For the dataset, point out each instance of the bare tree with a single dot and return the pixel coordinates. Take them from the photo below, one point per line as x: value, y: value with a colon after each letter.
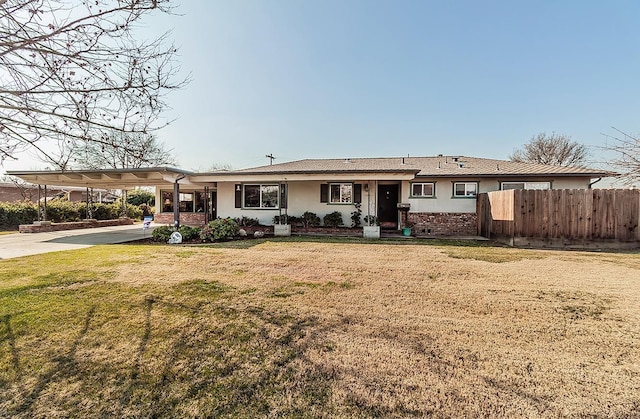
x: 626, y: 149
x: 555, y: 149
x: 133, y: 151
x: 73, y: 73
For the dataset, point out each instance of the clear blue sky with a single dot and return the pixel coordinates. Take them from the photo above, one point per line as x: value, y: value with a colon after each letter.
x: 369, y: 78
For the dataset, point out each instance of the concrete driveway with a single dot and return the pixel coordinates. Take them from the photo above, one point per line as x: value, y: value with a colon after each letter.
x: 24, y: 244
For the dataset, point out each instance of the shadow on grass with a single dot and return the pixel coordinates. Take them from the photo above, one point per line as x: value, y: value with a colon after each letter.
x: 63, y: 366
x: 218, y: 361
x: 11, y: 340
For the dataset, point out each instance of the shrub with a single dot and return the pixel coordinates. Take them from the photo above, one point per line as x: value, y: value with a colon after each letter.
x: 14, y: 214
x: 162, y: 233
x: 219, y: 229
x: 60, y: 211
x: 130, y: 211
x: 309, y: 219
x: 371, y: 220
x: 246, y: 221
x: 355, y: 216
x: 290, y: 219
x: 333, y: 219
x: 189, y: 233
x: 140, y: 196
x: 146, y: 209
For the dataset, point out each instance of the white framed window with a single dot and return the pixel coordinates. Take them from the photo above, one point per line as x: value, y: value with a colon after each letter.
x: 423, y: 190
x: 465, y: 189
x: 525, y: 185
x: 261, y: 196
x: 341, y: 193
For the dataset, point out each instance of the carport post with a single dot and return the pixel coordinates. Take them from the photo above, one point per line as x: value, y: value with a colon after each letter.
x: 39, y: 205
x: 44, y: 214
x: 176, y: 203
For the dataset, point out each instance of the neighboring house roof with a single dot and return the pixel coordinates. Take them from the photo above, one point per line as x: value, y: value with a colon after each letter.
x: 438, y: 166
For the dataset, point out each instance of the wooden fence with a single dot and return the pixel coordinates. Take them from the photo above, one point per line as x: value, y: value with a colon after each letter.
x: 566, y: 216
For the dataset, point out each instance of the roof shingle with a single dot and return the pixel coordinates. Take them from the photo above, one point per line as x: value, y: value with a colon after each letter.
x: 438, y: 166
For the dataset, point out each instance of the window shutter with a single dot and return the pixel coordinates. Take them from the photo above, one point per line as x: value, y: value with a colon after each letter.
x: 283, y: 195
x: 324, y: 193
x: 357, y: 193
x: 238, y: 195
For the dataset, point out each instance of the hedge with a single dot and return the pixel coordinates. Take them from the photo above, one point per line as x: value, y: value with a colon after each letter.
x: 58, y: 211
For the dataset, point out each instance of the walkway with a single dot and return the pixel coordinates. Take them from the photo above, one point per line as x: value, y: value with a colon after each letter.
x: 25, y: 244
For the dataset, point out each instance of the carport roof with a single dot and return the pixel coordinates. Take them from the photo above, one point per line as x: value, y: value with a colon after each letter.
x: 111, y: 178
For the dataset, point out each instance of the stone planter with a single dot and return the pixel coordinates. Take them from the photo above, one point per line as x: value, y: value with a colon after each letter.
x: 371, y: 232
x: 282, y: 230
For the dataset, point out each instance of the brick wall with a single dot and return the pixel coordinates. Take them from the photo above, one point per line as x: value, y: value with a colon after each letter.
x: 444, y: 224
x: 195, y: 219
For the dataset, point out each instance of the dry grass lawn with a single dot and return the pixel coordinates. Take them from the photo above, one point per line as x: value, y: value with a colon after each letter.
x: 316, y: 329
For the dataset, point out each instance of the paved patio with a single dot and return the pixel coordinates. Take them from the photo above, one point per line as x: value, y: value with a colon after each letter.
x: 18, y: 245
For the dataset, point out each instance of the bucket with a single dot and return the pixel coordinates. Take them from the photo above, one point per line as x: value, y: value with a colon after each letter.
x: 406, y: 231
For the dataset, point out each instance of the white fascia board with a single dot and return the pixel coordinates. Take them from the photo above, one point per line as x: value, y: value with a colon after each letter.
x: 296, y: 177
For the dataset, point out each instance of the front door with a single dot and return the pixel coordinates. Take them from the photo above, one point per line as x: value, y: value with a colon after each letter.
x: 388, y: 206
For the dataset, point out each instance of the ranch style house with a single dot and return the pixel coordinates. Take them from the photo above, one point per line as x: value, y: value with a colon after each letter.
x: 437, y: 195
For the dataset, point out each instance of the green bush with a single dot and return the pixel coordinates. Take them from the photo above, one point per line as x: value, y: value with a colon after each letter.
x: 371, y: 219
x: 219, y: 229
x: 290, y: 219
x: 247, y: 221
x: 130, y: 211
x: 60, y: 211
x: 162, y: 233
x: 333, y: 219
x: 355, y: 215
x: 146, y: 209
x: 140, y: 196
x: 189, y: 233
x: 310, y: 219
x: 14, y: 214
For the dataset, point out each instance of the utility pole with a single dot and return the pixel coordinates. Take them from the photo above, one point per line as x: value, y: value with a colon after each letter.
x: 271, y: 158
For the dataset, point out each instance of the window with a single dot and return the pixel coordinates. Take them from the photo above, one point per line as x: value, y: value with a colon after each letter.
x: 341, y: 193
x: 423, y: 190
x: 261, y: 196
x: 201, y: 197
x: 465, y: 189
x: 167, y: 201
x: 525, y: 185
x: 185, y: 201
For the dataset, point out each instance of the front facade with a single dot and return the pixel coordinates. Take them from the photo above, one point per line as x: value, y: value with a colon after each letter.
x: 438, y: 193
x: 433, y: 195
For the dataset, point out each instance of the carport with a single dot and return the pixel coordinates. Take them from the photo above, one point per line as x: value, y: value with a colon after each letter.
x: 158, y: 177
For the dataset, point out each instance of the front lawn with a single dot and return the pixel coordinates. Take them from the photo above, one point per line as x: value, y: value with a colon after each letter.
x: 313, y: 328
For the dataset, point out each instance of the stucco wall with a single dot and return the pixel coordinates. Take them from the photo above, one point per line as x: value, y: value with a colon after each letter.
x: 445, y: 202
x: 302, y: 196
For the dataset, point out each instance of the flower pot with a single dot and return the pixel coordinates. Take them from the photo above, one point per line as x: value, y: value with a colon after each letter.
x: 406, y: 231
x: 371, y: 232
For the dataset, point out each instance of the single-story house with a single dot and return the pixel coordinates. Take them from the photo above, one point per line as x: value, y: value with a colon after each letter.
x: 434, y: 194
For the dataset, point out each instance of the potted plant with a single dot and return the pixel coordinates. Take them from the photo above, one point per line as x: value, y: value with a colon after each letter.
x: 407, y: 228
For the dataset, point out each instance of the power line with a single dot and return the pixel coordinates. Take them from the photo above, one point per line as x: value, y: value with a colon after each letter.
x: 271, y: 158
